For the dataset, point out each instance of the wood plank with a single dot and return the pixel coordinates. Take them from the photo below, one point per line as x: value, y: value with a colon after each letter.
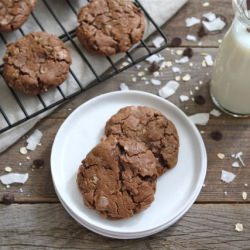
x: 194, y: 8
x: 49, y: 226
x: 236, y: 137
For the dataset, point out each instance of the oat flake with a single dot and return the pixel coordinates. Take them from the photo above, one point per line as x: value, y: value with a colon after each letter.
x: 244, y: 195
x: 239, y: 227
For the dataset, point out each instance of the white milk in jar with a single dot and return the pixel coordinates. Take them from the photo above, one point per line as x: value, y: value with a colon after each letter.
x: 230, y: 84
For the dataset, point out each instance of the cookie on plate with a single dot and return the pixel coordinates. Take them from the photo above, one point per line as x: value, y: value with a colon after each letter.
x: 150, y: 126
x: 118, y: 178
x: 35, y: 63
x: 108, y: 27
x: 14, y: 13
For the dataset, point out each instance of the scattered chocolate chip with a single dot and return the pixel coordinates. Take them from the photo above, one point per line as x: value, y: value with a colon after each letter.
x: 248, y: 4
x: 216, y: 135
x: 202, y: 32
x: 153, y: 67
x: 188, y: 52
x: 176, y: 42
x: 38, y: 163
x: 199, y: 99
x: 8, y: 199
x: 248, y: 30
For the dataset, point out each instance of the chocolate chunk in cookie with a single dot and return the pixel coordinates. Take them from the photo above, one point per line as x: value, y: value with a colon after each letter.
x: 147, y: 125
x: 118, y: 178
x: 36, y: 63
x: 108, y: 27
x: 14, y: 13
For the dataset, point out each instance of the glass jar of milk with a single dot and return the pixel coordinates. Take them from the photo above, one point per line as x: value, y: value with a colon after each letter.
x: 230, y: 84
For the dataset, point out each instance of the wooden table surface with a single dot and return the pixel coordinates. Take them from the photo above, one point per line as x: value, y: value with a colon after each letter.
x: 37, y: 219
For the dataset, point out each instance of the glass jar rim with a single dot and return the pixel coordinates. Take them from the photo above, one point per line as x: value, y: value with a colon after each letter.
x: 240, y: 8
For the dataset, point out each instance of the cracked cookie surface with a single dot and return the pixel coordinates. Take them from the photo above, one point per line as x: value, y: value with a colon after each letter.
x: 36, y: 63
x: 150, y: 126
x: 118, y: 178
x: 108, y: 27
x: 14, y: 13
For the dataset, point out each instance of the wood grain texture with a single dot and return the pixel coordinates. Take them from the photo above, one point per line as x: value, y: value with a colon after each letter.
x: 236, y: 136
x: 48, y: 226
x: 194, y: 8
x: 176, y: 27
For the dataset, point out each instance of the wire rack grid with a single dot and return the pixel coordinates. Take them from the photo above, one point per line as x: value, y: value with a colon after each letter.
x: 68, y: 36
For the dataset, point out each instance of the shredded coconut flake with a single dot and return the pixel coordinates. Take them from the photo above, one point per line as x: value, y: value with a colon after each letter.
x: 158, y: 41
x: 235, y: 164
x: 14, y: 178
x: 183, y: 60
x: 191, y: 38
x: 215, y: 25
x: 209, y: 60
x: 238, y: 156
x: 210, y: 16
x: 176, y: 69
x: 200, y: 118
x: 34, y: 139
x: 124, y: 87
x: 184, y: 98
x: 227, y: 176
x: 156, y: 82
x: 155, y: 58
x: 169, y: 89
x: 215, y: 113
x: 156, y: 73
x: 191, y: 21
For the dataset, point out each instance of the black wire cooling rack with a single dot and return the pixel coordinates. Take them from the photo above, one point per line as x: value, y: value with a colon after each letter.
x: 68, y: 35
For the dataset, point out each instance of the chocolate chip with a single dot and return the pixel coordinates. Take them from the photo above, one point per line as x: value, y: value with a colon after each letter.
x: 188, y: 52
x: 200, y: 100
x: 248, y: 30
x: 153, y: 67
x: 176, y: 42
x: 248, y: 4
x: 8, y: 199
x: 216, y: 135
x: 38, y: 163
x: 202, y: 32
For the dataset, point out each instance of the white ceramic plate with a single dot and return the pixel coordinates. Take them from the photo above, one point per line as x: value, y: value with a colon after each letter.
x: 177, y: 189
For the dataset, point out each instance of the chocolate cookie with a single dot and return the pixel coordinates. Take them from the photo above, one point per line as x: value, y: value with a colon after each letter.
x: 147, y: 125
x: 14, y: 13
x: 36, y: 63
x: 118, y: 178
x: 108, y: 27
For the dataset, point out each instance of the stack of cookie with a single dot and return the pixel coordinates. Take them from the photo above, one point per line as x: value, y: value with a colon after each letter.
x: 39, y: 60
x: 118, y: 177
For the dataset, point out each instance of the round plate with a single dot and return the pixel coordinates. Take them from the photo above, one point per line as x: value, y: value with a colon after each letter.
x: 176, y: 190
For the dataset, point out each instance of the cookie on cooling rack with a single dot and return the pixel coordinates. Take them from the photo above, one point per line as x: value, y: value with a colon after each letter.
x: 108, y: 27
x: 35, y: 63
x: 118, y: 178
x: 150, y: 126
x: 14, y: 13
